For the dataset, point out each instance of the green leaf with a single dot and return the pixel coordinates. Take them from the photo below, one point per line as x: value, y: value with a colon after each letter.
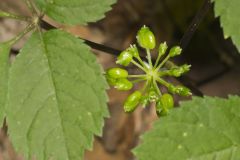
x: 201, y: 129
x: 75, y: 11
x: 4, y: 69
x: 57, y: 98
x: 229, y: 12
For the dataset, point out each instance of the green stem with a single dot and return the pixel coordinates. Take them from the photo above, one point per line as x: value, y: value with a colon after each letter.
x: 163, y: 62
x: 164, y: 73
x: 138, y: 65
x: 29, y: 28
x: 142, y: 63
x: 149, y: 58
x: 145, y: 86
x: 13, y: 16
x: 138, y: 80
x: 163, y: 82
x: 137, y: 76
x: 157, y: 88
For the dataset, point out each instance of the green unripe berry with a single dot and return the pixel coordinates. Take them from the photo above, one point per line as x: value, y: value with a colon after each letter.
x: 134, y: 51
x: 111, y: 81
x: 164, y: 104
x: 144, y: 101
x: 162, y: 48
x: 146, y: 38
x: 123, y: 84
x: 132, y: 101
x: 167, y: 101
x: 124, y: 58
x: 175, y: 51
x: 116, y: 73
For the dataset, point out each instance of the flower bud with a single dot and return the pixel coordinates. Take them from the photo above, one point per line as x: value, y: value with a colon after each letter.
x: 132, y: 101
x: 162, y: 49
x: 180, y: 90
x: 175, y: 51
x: 178, y: 71
x: 116, y: 73
x: 146, y: 38
x: 124, y: 58
x: 134, y: 51
x: 183, y: 91
x: 152, y: 95
x: 123, y: 84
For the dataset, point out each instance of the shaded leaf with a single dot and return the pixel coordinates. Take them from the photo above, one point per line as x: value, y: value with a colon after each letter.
x: 4, y: 70
x: 229, y: 12
x: 75, y: 11
x: 57, y: 98
x: 201, y: 129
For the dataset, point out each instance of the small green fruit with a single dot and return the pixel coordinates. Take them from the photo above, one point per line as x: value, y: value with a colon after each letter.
x: 124, y: 58
x: 123, y: 84
x: 146, y: 38
x: 132, y: 101
x: 164, y: 104
x: 116, y: 73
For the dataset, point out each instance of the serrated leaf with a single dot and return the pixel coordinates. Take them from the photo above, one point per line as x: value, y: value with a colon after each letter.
x: 4, y: 69
x: 75, y: 11
x: 229, y: 12
x: 201, y: 129
x: 57, y: 98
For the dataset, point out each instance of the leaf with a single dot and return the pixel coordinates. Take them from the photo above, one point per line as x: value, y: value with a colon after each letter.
x: 75, y: 11
x: 228, y: 10
x: 201, y: 129
x: 57, y: 98
x: 4, y: 69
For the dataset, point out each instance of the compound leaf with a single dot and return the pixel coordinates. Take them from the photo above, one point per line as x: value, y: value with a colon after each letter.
x: 57, y: 98
x: 201, y: 129
x: 229, y: 12
x: 4, y: 69
x: 75, y: 11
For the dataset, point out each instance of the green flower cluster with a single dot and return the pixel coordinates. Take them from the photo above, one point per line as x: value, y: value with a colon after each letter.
x: 153, y: 74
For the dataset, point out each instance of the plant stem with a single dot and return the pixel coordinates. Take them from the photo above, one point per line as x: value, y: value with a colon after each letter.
x: 163, y: 62
x: 138, y: 65
x: 149, y: 58
x: 156, y: 87
x: 163, y: 82
x: 13, y: 16
x: 145, y: 86
x: 140, y: 60
x: 29, y: 28
x: 137, y: 76
x: 138, y: 80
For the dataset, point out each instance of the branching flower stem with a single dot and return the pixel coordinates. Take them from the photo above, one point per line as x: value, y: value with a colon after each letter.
x: 14, y: 16
x: 149, y: 58
x: 138, y: 65
x: 29, y: 28
x: 163, y: 62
